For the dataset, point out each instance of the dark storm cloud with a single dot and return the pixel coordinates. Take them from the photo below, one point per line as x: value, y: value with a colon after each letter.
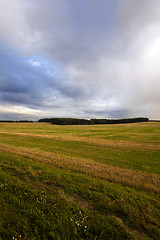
x: 81, y: 58
x: 32, y: 83
x: 20, y: 82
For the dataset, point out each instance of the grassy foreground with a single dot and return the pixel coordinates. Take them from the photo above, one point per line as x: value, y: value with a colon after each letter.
x: 79, y: 182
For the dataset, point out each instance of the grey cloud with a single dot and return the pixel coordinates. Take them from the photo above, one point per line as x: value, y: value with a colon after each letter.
x: 23, y: 83
x: 20, y: 82
x: 106, y: 54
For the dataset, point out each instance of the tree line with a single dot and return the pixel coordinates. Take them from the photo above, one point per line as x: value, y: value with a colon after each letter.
x: 77, y: 121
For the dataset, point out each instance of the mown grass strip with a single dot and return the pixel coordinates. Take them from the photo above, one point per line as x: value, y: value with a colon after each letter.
x: 52, y: 177
x: 55, y: 195
x: 124, y: 157
x: 89, y: 140
x: 114, y: 174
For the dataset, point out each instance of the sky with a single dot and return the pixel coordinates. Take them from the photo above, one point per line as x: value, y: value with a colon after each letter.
x: 79, y: 58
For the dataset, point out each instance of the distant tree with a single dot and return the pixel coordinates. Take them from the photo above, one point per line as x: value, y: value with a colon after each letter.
x: 118, y: 121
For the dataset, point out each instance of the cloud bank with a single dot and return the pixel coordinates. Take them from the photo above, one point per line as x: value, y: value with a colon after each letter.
x: 92, y: 58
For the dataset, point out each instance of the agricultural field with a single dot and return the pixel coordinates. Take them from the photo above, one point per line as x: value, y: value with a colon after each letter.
x: 79, y: 182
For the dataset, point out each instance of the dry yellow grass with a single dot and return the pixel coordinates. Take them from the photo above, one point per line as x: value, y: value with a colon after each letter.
x: 127, y: 177
x: 93, y: 141
x: 53, y: 177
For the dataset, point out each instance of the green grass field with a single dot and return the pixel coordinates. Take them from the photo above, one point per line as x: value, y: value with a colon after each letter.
x: 79, y: 182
